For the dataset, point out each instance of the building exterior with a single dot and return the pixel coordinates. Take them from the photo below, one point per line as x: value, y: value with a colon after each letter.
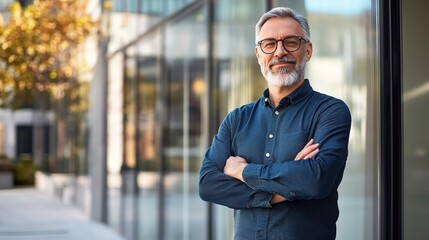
x: 168, y: 71
x: 185, y: 64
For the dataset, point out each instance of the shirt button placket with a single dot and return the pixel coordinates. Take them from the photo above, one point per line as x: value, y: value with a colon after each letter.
x: 270, y: 144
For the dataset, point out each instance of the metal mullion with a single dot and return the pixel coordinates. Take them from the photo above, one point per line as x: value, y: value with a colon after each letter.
x: 211, y: 115
x: 391, y: 198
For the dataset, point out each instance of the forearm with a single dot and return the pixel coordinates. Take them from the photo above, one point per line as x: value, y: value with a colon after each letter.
x: 297, y: 180
x: 219, y: 188
x: 235, y: 165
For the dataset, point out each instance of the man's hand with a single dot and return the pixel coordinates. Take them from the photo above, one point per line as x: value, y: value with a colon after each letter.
x: 310, y: 150
x: 234, y: 167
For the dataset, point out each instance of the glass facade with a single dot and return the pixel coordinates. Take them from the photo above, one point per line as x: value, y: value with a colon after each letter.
x: 184, y: 74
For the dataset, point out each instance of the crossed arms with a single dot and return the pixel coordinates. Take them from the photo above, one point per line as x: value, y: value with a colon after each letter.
x: 235, y: 165
x: 229, y: 179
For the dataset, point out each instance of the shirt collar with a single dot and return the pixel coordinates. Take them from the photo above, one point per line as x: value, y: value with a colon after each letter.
x: 299, y: 94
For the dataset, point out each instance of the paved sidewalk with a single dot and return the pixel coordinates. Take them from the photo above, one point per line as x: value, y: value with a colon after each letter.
x: 30, y: 214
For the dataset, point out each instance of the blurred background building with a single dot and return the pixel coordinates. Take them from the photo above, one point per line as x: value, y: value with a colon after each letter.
x: 163, y: 75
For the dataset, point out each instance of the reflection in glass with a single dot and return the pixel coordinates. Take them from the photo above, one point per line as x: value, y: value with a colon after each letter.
x: 342, y: 65
x: 148, y: 143
x: 130, y: 109
x: 415, y: 116
x: 186, y: 48
x: 128, y: 167
x: 237, y: 78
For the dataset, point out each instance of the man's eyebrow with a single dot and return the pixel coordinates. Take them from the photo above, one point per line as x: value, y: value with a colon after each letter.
x: 270, y: 38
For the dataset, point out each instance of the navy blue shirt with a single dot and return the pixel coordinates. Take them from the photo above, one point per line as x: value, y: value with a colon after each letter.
x: 269, y: 139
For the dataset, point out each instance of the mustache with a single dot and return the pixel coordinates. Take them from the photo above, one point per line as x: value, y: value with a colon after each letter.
x: 283, y: 59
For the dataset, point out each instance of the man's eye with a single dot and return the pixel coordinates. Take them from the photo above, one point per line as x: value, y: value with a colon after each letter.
x: 269, y: 44
x: 290, y: 43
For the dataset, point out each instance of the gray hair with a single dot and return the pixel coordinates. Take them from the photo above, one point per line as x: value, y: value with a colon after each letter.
x: 283, y: 12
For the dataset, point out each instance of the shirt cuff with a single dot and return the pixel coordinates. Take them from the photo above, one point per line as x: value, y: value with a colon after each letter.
x: 251, y: 176
x: 263, y: 199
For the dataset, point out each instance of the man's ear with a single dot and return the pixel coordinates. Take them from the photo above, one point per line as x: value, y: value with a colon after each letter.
x: 257, y: 53
x: 308, y: 51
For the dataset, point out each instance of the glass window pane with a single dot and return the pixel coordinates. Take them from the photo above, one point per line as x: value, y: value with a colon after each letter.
x: 130, y: 108
x: 128, y: 167
x: 345, y: 56
x: 236, y: 69
x: 415, y: 117
x: 148, y: 143
x: 237, y: 78
x: 186, y: 54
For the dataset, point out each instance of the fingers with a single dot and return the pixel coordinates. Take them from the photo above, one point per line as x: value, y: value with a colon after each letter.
x: 235, y: 159
x: 310, y: 150
x: 312, y: 154
x: 234, y: 167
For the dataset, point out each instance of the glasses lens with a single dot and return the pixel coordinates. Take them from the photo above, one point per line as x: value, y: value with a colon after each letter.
x: 268, y: 45
x: 291, y: 44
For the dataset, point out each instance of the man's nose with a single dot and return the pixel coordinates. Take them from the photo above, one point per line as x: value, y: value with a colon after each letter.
x: 280, y: 50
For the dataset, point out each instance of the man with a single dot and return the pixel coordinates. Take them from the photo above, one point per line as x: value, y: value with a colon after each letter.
x: 279, y: 160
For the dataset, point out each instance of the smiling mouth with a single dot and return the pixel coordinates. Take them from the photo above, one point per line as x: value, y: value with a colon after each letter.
x: 282, y: 66
x: 282, y: 61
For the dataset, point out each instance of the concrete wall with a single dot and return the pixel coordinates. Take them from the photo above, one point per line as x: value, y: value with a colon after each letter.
x: 10, y: 119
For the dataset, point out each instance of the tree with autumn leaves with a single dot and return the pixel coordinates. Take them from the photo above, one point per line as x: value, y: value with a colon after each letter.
x: 42, y: 61
x: 40, y: 51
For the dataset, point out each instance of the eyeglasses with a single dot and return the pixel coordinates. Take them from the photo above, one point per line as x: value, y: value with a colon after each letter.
x: 291, y: 44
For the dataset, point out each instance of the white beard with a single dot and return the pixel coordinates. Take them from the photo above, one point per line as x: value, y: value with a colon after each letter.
x: 282, y: 78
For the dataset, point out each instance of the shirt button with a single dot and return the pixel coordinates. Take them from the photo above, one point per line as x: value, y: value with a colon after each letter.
x: 270, y: 135
x: 267, y: 154
x: 293, y: 194
x: 276, y: 112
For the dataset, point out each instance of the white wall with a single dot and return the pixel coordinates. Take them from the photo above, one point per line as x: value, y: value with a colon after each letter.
x: 10, y: 119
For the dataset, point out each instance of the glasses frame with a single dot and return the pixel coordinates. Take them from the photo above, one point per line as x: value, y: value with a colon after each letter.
x: 282, y: 40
